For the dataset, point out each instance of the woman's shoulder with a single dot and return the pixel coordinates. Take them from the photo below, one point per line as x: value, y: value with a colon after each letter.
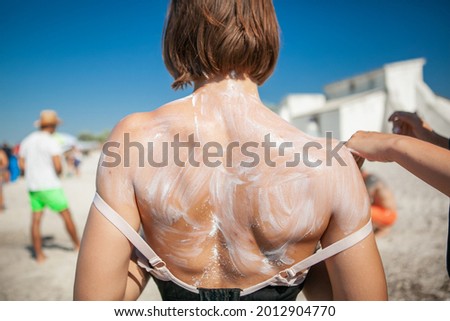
x: 143, y: 121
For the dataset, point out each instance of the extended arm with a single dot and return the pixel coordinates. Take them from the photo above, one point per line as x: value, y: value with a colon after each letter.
x: 57, y: 164
x: 429, y: 162
x: 22, y: 165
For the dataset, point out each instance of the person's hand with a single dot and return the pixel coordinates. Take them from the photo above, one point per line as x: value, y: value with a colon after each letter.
x: 410, y: 124
x: 373, y: 146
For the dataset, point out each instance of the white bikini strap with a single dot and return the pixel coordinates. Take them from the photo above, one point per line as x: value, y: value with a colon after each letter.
x: 292, y: 272
x: 297, y: 273
x: 331, y: 250
x: 139, y: 243
x: 126, y: 230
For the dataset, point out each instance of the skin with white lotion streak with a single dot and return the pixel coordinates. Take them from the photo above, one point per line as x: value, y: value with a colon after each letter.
x: 230, y: 221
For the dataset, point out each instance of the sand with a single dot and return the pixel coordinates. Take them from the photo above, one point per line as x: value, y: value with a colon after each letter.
x: 413, y: 252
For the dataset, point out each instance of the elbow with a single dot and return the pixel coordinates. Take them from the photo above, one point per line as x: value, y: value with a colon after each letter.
x: 58, y: 170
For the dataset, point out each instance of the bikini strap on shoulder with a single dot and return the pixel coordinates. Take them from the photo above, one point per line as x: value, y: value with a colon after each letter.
x: 330, y: 250
x: 122, y: 225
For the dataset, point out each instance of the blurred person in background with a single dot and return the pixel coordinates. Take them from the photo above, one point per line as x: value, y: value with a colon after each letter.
x: 4, y: 176
x: 40, y: 160
x: 73, y: 160
x: 383, y: 208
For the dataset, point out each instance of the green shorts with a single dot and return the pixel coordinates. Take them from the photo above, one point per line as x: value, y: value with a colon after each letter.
x: 55, y: 199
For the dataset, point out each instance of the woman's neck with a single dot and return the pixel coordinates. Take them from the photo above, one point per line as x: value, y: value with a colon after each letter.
x: 241, y: 84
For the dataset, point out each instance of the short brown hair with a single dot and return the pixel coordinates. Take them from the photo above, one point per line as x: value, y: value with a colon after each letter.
x: 206, y: 38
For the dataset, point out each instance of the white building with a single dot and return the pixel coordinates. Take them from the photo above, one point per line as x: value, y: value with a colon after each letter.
x: 364, y: 102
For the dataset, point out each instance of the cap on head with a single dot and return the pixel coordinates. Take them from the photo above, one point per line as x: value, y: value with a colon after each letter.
x: 48, y: 118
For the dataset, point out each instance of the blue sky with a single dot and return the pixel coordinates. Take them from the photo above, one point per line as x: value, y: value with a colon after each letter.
x: 97, y: 61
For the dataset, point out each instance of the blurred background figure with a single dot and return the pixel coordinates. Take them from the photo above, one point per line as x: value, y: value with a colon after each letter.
x: 383, y: 206
x: 13, y: 172
x: 4, y: 176
x: 73, y: 160
x: 40, y: 159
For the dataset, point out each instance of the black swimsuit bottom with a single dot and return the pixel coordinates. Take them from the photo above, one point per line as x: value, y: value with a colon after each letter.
x: 172, y: 292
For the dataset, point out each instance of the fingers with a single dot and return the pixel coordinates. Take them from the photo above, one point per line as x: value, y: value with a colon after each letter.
x: 355, y: 138
x: 359, y: 160
x: 403, y: 128
x: 407, y: 117
x: 405, y: 123
x: 368, y: 145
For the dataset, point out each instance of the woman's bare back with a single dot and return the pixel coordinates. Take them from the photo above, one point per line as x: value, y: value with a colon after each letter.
x: 235, y: 217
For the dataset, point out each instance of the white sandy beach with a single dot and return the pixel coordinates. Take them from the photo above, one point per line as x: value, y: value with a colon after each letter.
x: 413, y: 252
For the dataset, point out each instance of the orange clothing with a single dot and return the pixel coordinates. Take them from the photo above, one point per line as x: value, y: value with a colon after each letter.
x: 382, y: 217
